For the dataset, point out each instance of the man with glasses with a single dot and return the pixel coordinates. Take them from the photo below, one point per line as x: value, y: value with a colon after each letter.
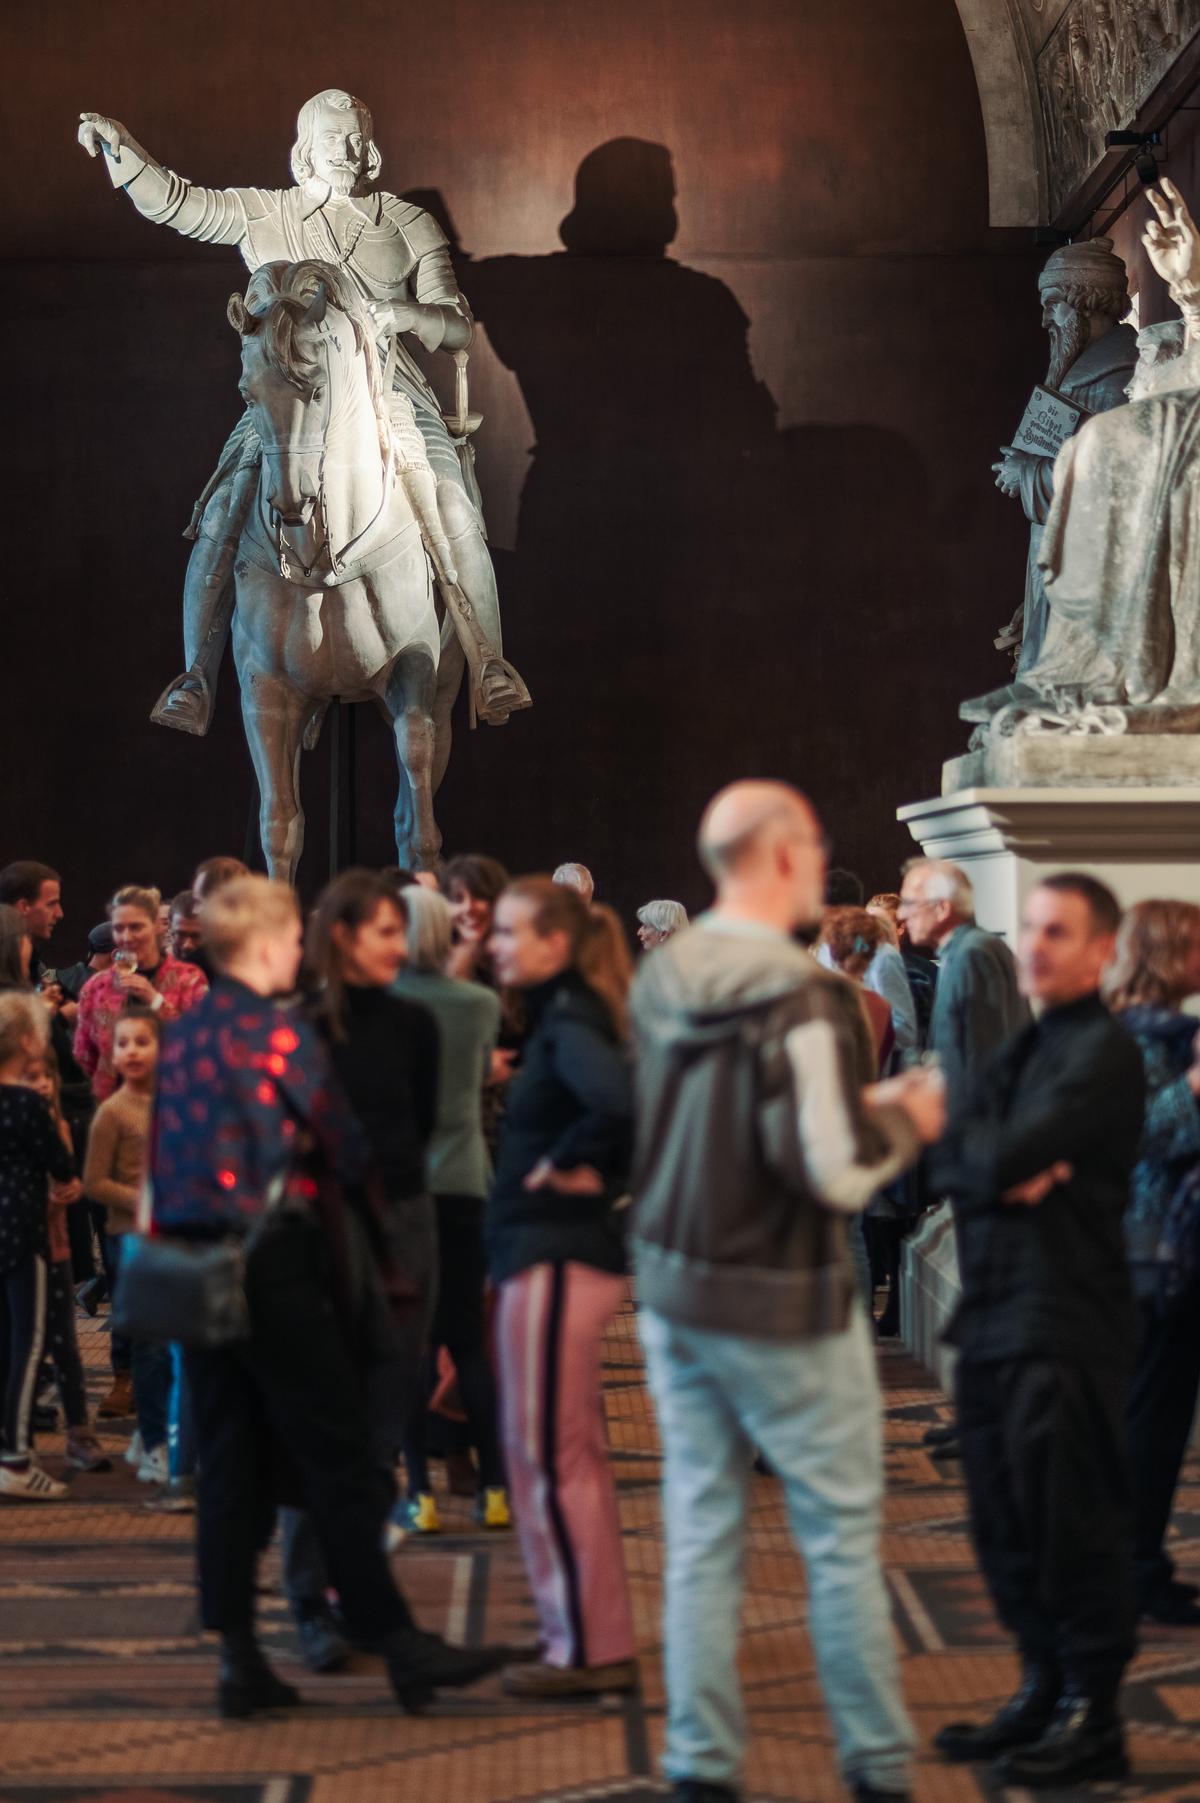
x: 977, y: 1003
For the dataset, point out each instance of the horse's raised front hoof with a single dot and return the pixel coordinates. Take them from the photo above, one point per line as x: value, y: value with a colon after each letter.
x: 501, y: 692
x: 185, y: 704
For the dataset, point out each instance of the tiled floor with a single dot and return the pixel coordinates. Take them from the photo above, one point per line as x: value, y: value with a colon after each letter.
x: 106, y: 1685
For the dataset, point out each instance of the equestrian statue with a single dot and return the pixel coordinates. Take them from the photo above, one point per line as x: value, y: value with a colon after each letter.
x: 341, y: 535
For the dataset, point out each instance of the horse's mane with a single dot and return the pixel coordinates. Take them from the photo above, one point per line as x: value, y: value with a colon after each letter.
x: 282, y: 294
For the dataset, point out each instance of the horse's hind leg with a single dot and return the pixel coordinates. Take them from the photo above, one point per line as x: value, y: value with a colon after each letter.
x: 409, y: 701
x: 275, y: 715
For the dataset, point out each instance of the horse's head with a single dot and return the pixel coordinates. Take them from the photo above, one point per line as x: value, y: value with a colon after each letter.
x: 287, y: 369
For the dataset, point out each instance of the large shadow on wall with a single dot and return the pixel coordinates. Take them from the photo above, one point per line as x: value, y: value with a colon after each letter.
x: 673, y: 595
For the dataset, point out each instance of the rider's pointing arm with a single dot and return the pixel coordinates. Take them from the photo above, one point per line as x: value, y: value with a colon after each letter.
x: 214, y: 215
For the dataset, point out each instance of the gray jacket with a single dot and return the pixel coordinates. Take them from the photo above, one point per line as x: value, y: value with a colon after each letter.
x: 977, y: 1004
x: 753, y: 1143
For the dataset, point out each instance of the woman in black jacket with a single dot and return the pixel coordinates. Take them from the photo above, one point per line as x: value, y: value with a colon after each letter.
x: 385, y: 1053
x: 555, y: 1252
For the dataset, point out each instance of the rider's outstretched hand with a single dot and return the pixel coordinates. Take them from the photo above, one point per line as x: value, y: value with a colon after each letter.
x: 95, y: 130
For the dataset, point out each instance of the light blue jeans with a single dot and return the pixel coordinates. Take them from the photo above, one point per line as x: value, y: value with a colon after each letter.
x: 812, y: 1407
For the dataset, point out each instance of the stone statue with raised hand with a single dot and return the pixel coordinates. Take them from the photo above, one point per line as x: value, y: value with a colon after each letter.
x: 398, y: 261
x: 1120, y: 552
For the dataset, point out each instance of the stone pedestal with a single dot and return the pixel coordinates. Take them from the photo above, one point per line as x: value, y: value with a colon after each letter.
x: 1141, y: 841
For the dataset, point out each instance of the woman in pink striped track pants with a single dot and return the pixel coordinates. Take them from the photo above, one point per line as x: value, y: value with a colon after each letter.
x: 555, y: 1253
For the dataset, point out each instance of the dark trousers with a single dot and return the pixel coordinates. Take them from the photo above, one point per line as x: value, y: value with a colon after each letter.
x: 392, y: 1390
x: 62, y: 1346
x: 1162, y: 1402
x: 1046, y: 1461
x: 459, y: 1325
x: 22, y: 1332
x: 148, y: 1364
x: 289, y: 1397
x: 82, y: 1240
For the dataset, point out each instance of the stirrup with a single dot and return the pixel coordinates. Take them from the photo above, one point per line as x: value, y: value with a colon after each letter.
x: 185, y: 704
x: 499, y: 692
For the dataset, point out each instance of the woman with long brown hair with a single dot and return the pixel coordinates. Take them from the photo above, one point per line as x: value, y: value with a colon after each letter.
x: 385, y: 1052
x: 1156, y: 968
x: 555, y: 1252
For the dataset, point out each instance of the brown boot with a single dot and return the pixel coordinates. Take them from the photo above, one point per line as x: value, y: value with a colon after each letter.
x: 119, y: 1401
x: 537, y: 1682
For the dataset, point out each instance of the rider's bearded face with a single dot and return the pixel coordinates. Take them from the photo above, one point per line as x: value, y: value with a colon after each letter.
x: 339, y: 149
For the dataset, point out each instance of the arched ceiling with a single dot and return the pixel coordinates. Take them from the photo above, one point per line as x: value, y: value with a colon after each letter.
x: 1004, y: 75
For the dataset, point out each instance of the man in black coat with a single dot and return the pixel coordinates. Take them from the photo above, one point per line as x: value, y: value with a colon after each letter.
x: 1037, y: 1163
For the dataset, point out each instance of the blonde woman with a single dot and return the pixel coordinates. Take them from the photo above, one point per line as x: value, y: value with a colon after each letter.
x: 141, y: 973
x: 241, y: 1077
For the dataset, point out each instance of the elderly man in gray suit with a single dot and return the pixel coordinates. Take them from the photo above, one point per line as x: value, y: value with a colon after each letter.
x: 977, y: 1004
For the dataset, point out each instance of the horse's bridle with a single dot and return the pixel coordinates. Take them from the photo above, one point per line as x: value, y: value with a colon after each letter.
x: 337, y: 560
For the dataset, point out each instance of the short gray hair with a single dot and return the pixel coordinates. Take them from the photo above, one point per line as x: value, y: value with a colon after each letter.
x: 946, y: 883
x: 577, y: 877
x: 430, y: 928
x: 664, y: 916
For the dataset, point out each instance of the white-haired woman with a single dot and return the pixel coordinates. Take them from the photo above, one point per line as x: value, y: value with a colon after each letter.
x: 658, y: 921
x: 468, y: 1023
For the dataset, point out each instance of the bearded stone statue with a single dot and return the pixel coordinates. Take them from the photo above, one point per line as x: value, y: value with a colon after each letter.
x: 1085, y: 295
x: 1121, y: 543
x: 1120, y: 550
x: 397, y: 259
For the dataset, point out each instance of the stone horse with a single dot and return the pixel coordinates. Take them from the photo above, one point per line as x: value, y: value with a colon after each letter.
x: 336, y: 565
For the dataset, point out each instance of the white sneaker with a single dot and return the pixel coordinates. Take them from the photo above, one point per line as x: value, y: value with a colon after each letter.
x: 29, y: 1483
x: 154, y: 1468
x: 135, y: 1452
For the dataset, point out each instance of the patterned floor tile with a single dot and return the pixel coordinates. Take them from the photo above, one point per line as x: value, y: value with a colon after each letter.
x: 108, y: 1686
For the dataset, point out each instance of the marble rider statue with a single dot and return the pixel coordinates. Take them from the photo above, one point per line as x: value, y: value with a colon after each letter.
x: 1085, y: 295
x: 398, y: 259
x: 1121, y: 550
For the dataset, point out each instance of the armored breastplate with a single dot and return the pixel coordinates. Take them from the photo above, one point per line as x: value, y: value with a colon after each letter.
x: 376, y: 250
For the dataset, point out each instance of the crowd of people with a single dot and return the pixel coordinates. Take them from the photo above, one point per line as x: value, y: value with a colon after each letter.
x: 328, y: 1170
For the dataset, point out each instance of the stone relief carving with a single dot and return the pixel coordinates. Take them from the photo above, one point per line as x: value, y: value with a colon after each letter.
x: 1096, y: 68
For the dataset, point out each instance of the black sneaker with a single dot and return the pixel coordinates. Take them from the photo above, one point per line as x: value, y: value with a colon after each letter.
x: 322, y: 1640
x: 1172, y: 1605
x: 871, y: 1793
x: 699, y: 1790
x: 941, y: 1435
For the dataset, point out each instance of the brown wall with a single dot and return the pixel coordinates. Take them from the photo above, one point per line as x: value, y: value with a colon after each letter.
x: 758, y: 532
